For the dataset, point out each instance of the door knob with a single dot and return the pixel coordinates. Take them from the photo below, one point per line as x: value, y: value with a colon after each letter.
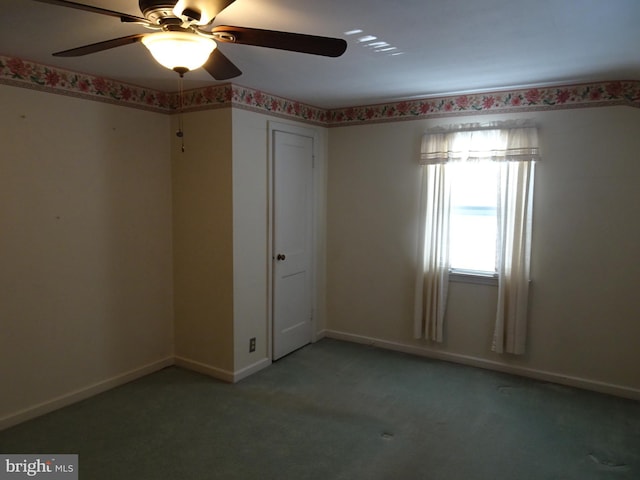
x: 281, y: 256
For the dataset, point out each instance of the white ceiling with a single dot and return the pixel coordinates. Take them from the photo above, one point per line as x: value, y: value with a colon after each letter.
x: 447, y: 46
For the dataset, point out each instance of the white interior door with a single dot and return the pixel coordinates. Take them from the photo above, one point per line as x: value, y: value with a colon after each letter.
x: 292, y: 246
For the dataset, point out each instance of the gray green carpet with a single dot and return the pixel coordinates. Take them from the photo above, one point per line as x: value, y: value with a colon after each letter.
x: 335, y: 410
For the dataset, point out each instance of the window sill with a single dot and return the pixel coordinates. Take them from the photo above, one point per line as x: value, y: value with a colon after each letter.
x: 459, y: 276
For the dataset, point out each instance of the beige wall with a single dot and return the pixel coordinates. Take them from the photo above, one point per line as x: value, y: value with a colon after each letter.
x: 85, y: 247
x: 221, y: 240
x: 250, y: 237
x: 90, y: 194
x: 251, y: 210
x: 584, y: 308
x: 203, y: 241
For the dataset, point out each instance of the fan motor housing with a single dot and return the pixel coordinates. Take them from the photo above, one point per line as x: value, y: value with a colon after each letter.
x: 159, y: 12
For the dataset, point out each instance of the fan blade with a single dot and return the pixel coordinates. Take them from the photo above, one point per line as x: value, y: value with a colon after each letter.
x: 218, y: 6
x: 125, y: 17
x: 294, y: 42
x: 220, y: 67
x: 100, y: 46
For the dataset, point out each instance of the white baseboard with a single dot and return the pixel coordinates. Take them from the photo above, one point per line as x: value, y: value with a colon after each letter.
x: 251, y: 369
x: 552, y: 377
x: 215, y: 372
x: 100, y: 387
x: 219, y: 373
x: 319, y: 335
x: 232, y: 377
x: 81, y: 394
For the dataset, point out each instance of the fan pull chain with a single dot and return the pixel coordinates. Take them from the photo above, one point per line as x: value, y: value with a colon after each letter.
x: 180, y: 132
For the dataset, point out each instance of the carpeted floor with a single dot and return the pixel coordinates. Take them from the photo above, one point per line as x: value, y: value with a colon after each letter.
x: 335, y: 410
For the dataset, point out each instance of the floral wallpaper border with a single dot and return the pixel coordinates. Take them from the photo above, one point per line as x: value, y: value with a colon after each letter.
x: 23, y: 73
x: 254, y: 100
x: 541, y: 98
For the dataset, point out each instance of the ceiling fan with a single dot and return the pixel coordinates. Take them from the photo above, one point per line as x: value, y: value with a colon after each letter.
x: 184, y: 29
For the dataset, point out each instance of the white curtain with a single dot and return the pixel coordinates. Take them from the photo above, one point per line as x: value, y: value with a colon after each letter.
x: 433, y: 254
x: 516, y: 149
x: 514, y: 255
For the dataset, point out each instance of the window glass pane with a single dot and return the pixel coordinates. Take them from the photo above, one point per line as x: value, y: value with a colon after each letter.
x: 473, y: 216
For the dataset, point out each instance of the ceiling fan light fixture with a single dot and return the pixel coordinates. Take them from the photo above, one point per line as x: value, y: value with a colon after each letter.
x: 179, y: 49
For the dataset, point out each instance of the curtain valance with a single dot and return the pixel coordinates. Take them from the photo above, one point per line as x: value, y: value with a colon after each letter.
x: 500, y: 145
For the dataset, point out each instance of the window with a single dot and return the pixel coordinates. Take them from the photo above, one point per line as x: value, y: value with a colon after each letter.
x: 476, y: 217
x: 473, y: 217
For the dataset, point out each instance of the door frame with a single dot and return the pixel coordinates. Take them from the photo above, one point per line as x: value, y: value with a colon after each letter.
x: 316, y: 206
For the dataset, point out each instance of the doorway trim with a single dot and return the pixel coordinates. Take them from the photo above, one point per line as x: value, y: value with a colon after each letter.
x: 317, y: 223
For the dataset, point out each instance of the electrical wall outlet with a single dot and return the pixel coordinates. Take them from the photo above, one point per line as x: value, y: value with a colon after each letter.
x: 252, y: 344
